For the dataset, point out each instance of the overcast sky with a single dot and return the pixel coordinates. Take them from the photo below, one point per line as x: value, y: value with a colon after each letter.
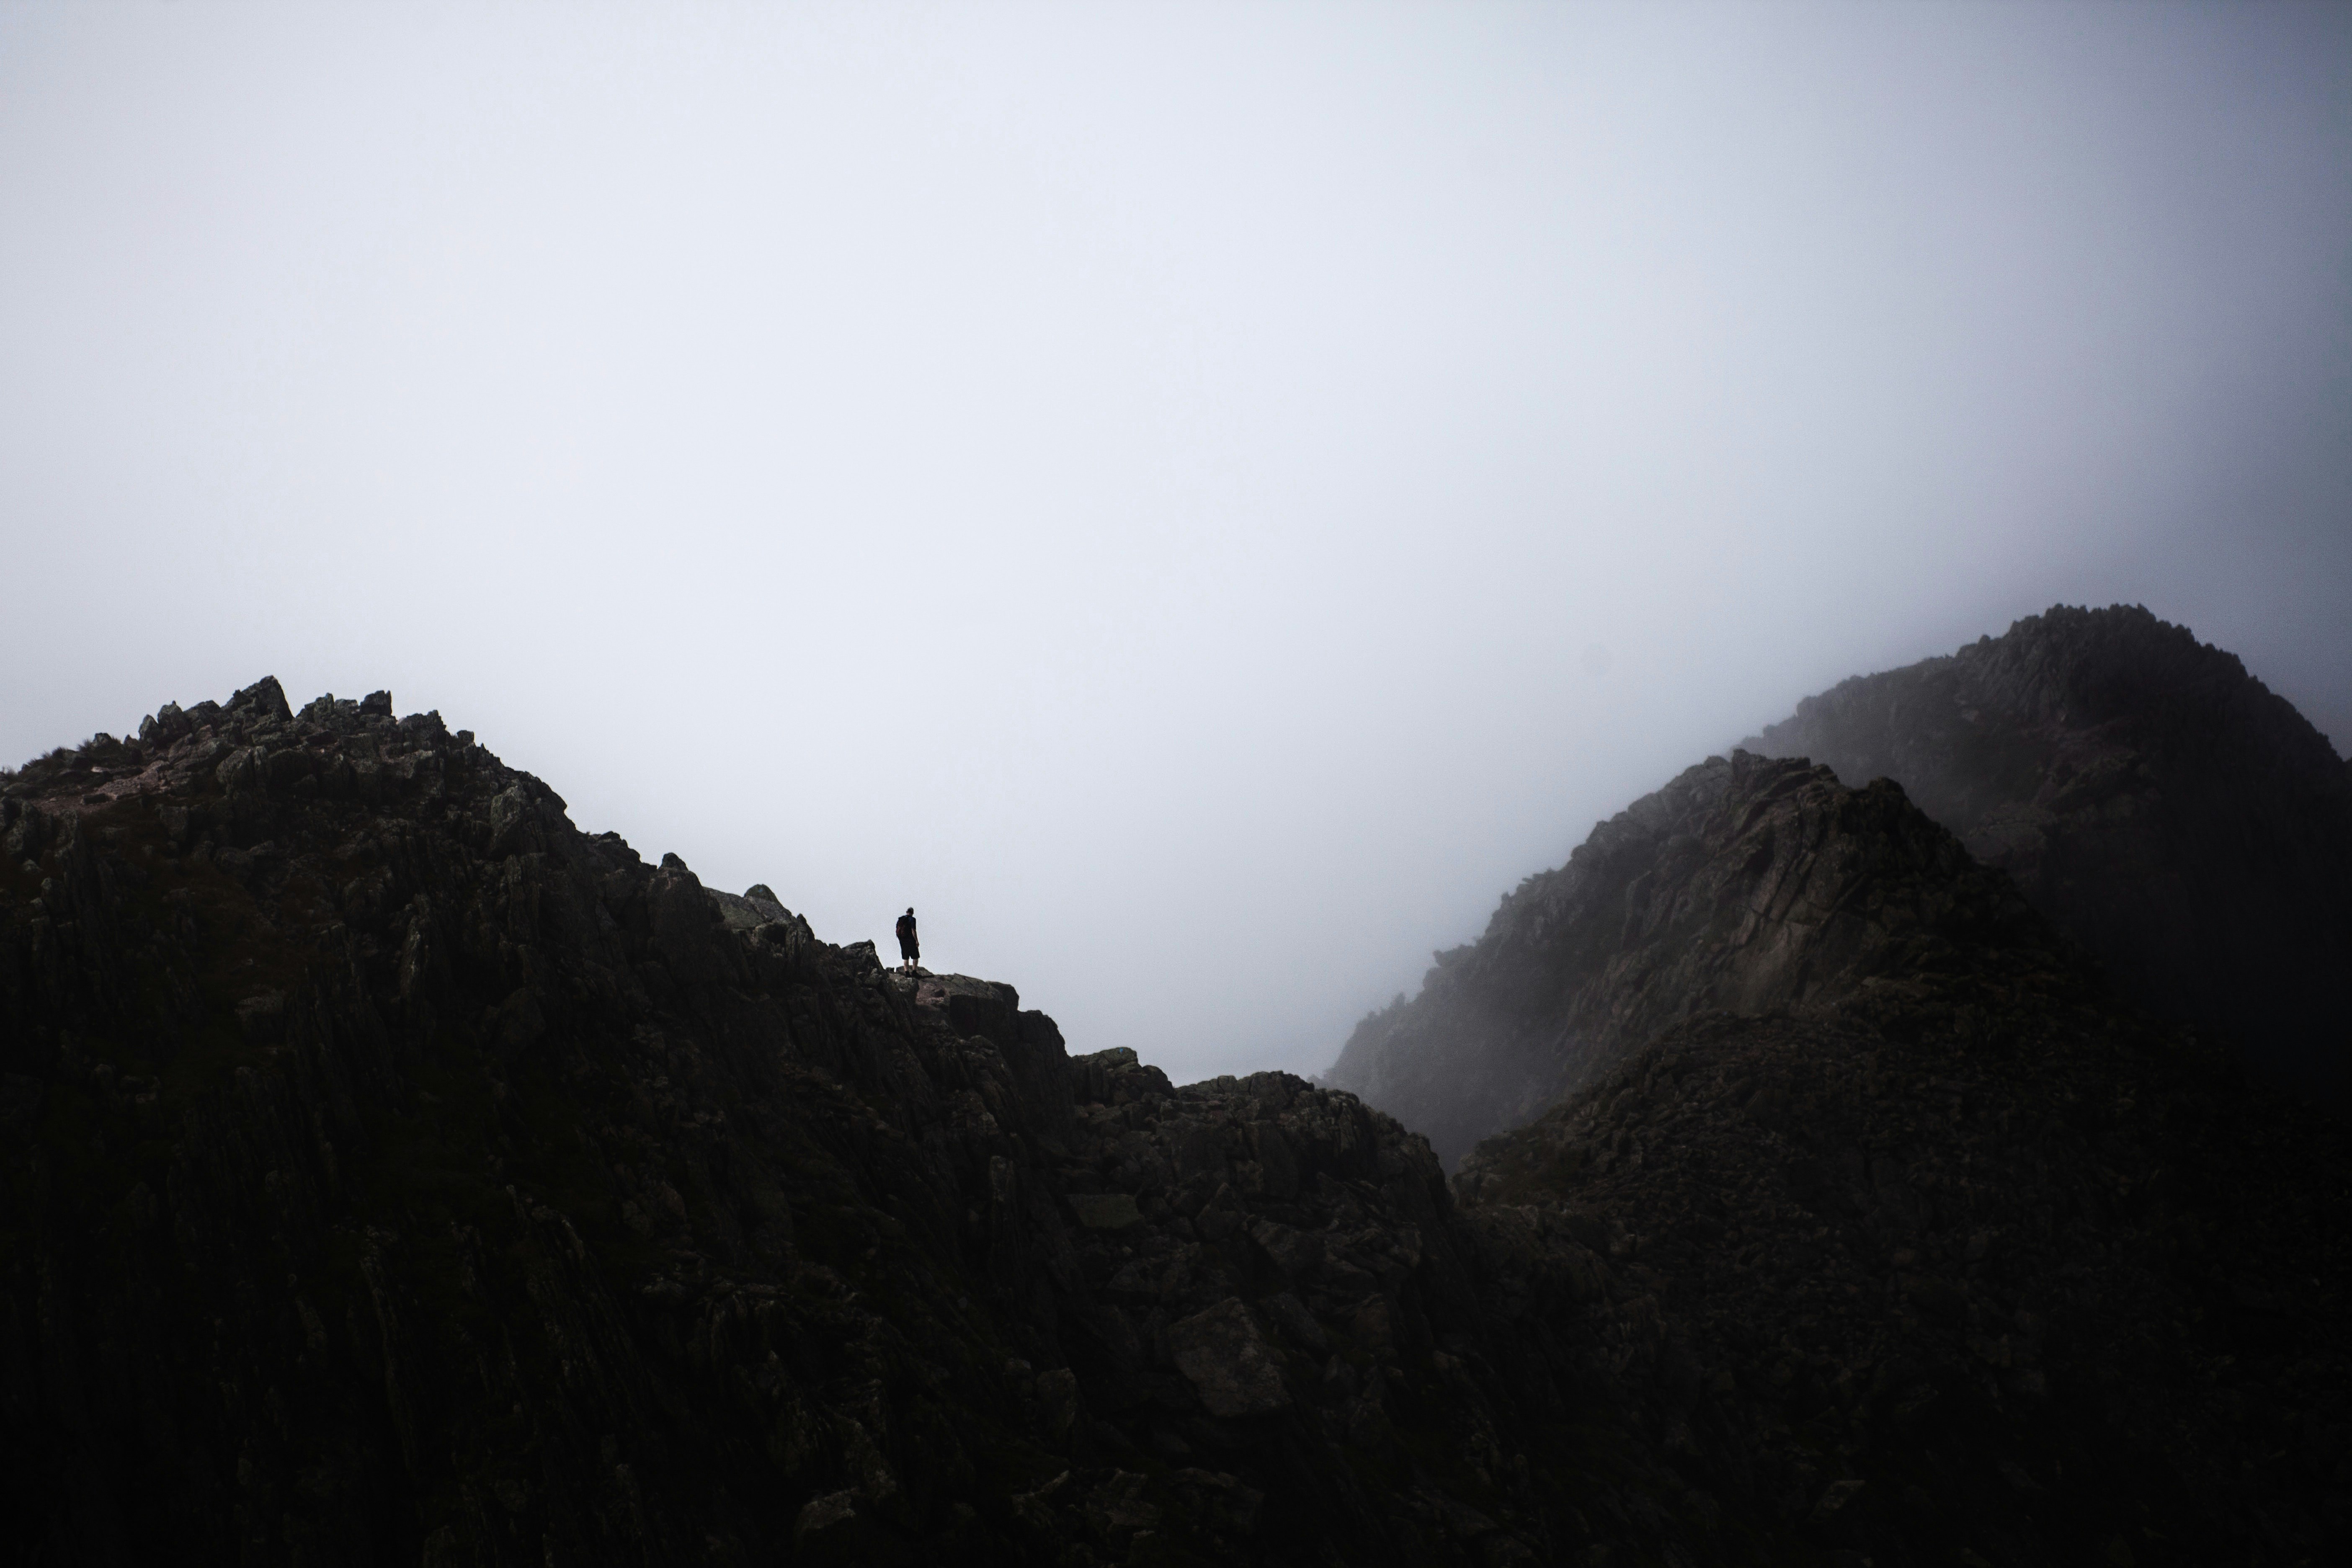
x: 1198, y: 501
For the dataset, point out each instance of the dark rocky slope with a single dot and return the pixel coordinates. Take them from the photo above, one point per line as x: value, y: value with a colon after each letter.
x: 2158, y: 804
x: 1968, y: 1270
x: 1745, y: 884
x: 394, y: 1173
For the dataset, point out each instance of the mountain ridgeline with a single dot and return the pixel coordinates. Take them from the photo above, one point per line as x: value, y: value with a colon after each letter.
x: 2155, y: 802
x: 1746, y: 884
x: 2160, y: 805
x: 391, y: 1171
x: 396, y: 1174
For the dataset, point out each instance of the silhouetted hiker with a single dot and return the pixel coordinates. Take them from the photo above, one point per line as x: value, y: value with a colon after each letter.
x: 907, y: 948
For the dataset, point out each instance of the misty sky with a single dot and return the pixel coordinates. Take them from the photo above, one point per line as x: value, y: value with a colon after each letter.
x: 1199, y: 501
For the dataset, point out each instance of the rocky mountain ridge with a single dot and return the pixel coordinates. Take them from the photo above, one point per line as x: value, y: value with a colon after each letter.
x: 394, y: 1172
x: 1745, y: 884
x: 2157, y: 802
x: 2154, y: 801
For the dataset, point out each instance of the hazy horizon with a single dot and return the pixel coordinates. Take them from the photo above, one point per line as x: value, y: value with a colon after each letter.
x: 1198, y: 501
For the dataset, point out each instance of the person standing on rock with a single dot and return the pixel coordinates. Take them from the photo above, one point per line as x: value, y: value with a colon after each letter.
x: 908, y: 949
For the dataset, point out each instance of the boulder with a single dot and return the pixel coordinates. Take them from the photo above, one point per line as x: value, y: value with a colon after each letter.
x: 1230, y: 1365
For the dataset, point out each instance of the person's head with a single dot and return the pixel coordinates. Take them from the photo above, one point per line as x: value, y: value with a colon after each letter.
x: 911, y: 908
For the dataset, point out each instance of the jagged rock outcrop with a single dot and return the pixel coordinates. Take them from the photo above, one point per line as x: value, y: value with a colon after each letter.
x: 390, y: 1171
x: 394, y: 1173
x: 2160, y: 806
x: 2158, y: 803
x: 1747, y: 883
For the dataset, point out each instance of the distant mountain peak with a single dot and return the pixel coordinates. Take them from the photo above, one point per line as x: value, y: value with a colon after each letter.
x: 2158, y: 804
x: 1748, y: 883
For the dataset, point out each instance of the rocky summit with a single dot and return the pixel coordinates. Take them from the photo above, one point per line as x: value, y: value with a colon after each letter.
x: 1747, y: 883
x: 2162, y: 806
x: 2158, y: 807
x: 394, y: 1173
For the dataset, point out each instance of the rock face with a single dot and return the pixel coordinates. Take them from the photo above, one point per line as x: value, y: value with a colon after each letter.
x: 2162, y: 806
x: 1969, y: 1271
x: 1745, y: 884
x: 394, y: 1173
x: 2141, y: 791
